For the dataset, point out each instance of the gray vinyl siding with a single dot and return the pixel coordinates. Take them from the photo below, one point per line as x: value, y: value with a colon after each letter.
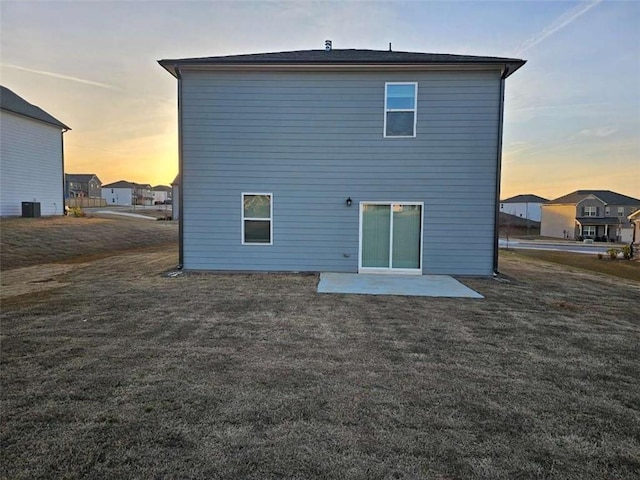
x: 313, y: 139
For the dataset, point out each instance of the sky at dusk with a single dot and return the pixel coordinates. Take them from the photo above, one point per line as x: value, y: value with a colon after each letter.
x: 572, y: 114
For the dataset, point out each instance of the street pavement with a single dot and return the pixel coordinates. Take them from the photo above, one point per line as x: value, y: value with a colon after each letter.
x: 560, y: 246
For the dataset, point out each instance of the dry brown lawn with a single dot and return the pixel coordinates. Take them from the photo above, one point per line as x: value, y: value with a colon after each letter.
x: 629, y: 269
x: 35, y: 241
x: 112, y: 369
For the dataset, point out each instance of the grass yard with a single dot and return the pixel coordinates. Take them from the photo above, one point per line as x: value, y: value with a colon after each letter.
x: 618, y: 268
x: 111, y: 369
x: 34, y: 241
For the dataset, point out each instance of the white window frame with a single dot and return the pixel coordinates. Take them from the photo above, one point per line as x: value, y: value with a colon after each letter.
x: 390, y: 269
x: 256, y: 219
x: 588, y: 212
x: 621, y: 211
x: 414, y: 110
x: 585, y: 234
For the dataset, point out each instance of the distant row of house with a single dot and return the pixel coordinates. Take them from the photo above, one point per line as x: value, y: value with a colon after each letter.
x: 78, y: 186
x: 584, y: 214
x: 32, y: 166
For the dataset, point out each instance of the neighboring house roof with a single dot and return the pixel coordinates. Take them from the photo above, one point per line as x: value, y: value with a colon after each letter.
x: 125, y: 184
x: 161, y: 188
x: 344, y: 57
x: 526, y: 198
x: 607, y: 196
x: 635, y: 216
x: 176, y: 181
x: 12, y: 102
x: 80, y: 177
x: 600, y: 221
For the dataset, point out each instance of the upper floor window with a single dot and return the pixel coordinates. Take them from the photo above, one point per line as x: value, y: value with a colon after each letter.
x: 400, y: 109
x: 590, y: 211
x: 621, y: 211
x: 257, y: 214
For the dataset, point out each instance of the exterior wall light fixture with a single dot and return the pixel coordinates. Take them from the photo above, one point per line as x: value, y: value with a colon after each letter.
x: 349, y: 201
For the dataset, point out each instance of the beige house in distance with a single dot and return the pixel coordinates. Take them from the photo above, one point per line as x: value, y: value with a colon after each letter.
x: 590, y: 214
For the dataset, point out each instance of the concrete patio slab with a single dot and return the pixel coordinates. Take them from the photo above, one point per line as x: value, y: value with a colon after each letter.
x: 409, y: 285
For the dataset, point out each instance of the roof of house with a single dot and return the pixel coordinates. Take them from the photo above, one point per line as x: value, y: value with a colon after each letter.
x: 161, y: 188
x: 601, y: 221
x: 12, y: 102
x: 80, y: 177
x: 607, y: 196
x: 176, y: 181
x: 125, y: 184
x: 345, y: 57
x: 525, y: 198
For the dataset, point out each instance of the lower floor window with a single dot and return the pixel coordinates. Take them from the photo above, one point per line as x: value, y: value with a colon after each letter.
x: 589, y: 231
x: 257, y: 215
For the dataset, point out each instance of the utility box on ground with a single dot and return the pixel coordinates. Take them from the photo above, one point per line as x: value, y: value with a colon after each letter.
x: 31, y: 209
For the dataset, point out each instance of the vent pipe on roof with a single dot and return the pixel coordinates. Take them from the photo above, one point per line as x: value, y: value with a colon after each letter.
x: 389, y: 46
x: 327, y: 45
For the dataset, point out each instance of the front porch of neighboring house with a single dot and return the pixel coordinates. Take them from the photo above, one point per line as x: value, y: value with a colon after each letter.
x: 603, y: 232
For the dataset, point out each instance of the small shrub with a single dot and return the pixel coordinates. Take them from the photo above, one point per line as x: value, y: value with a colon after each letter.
x: 77, y: 212
x: 627, y: 252
x: 613, y: 253
x: 600, y: 256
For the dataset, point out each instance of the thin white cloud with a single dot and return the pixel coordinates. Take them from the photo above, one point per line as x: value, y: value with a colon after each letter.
x: 559, y: 23
x: 561, y: 107
x: 597, y: 132
x: 57, y: 75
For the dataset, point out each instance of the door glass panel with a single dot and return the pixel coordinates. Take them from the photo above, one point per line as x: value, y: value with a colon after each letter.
x: 406, y: 236
x: 376, y: 241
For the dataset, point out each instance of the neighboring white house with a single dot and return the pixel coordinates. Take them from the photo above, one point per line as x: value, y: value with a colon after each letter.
x: 527, y: 206
x: 127, y: 193
x: 31, y: 157
x: 161, y: 194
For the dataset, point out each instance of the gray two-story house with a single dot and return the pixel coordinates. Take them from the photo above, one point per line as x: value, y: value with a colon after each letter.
x: 81, y: 185
x: 590, y: 214
x: 340, y: 160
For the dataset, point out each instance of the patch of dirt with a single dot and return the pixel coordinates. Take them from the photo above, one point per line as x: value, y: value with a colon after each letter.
x: 36, y: 279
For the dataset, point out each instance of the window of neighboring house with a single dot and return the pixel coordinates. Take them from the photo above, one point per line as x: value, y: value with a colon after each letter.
x: 590, y: 211
x: 589, y: 231
x: 400, y: 109
x: 621, y: 211
x: 112, y: 190
x: 257, y: 218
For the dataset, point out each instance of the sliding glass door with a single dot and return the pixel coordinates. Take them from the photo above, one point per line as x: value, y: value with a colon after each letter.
x: 391, y: 237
